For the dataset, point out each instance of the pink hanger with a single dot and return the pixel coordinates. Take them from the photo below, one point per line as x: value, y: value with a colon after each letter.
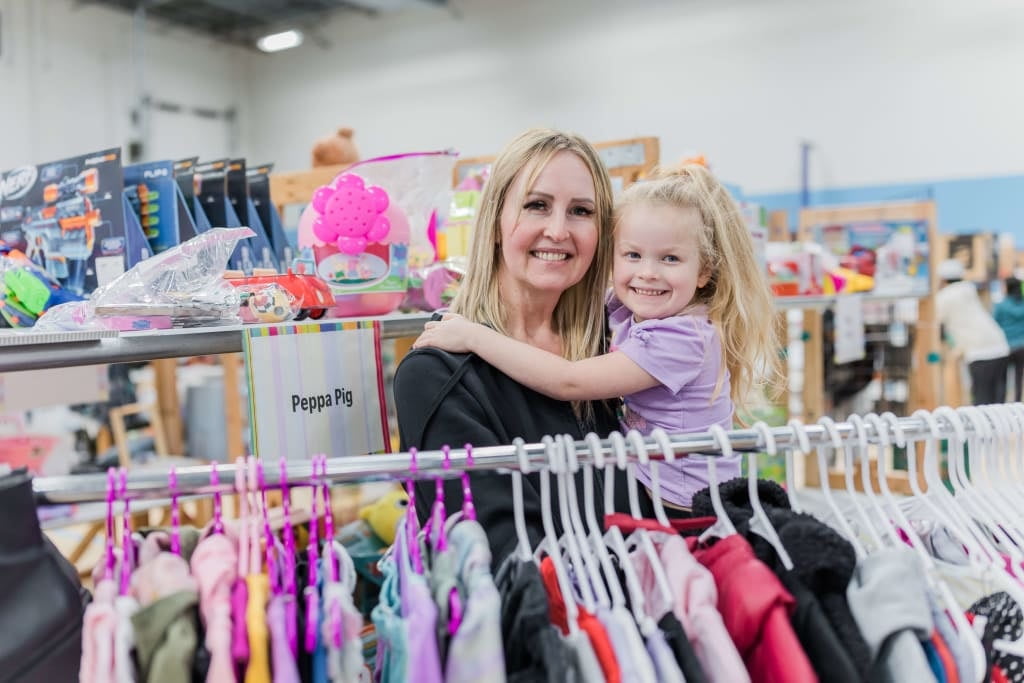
x: 272, y: 568
x: 438, y: 516
x: 218, y: 520
x: 313, y: 553
x: 411, y: 520
x: 332, y: 559
x: 468, y: 509
x: 108, y: 570
x: 242, y: 491
x: 127, y: 547
x: 172, y: 484
x: 288, y: 580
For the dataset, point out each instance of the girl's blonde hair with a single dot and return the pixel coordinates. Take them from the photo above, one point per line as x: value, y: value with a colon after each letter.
x: 579, y: 314
x: 737, y: 295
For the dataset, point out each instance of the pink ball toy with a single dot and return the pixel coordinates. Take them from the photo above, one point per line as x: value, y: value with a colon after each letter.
x: 350, y: 214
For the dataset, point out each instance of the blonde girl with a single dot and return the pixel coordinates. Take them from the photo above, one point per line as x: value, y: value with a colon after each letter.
x: 691, y: 319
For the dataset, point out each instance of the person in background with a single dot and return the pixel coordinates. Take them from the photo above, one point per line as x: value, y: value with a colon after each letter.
x: 1009, y: 313
x: 691, y: 315
x: 974, y: 333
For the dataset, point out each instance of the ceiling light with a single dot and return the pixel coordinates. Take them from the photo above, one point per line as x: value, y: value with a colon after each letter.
x: 275, y: 42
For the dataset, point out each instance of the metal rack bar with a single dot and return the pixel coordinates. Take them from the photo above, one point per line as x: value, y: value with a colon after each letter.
x: 429, y: 464
x: 139, y: 346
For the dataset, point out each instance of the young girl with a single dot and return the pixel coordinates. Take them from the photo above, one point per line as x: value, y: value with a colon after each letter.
x: 691, y: 319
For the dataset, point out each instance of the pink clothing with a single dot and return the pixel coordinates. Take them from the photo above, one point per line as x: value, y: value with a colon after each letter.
x: 124, y: 639
x: 239, y: 635
x: 684, y: 353
x: 215, y: 568
x: 696, y: 607
x: 283, y: 662
x: 160, y: 576
x: 98, y: 627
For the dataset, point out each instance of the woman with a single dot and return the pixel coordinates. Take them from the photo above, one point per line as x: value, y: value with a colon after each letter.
x: 538, y: 266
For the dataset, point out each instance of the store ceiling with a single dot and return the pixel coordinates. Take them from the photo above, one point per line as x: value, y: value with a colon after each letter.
x: 243, y: 21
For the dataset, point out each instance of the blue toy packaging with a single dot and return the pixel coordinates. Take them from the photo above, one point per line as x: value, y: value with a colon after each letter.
x: 68, y: 218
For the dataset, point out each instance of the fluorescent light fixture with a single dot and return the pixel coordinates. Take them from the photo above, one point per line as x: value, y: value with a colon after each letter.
x: 275, y: 42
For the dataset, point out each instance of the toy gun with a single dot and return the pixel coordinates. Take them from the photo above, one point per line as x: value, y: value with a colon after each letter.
x: 60, y: 234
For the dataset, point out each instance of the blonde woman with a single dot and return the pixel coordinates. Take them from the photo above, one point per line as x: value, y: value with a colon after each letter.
x: 691, y: 316
x: 538, y: 267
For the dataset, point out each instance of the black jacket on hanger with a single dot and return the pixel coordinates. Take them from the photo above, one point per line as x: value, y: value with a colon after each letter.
x: 454, y: 399
x: 823, y: 563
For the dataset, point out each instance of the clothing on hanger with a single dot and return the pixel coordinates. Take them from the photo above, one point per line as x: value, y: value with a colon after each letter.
x: 823, y: 562
x: 757, y: 621
x: 888, y: 601
x: 534, y: 648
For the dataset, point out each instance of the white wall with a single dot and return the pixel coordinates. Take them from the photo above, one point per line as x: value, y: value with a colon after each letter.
x: 68, y: 86
x: 886, y: 90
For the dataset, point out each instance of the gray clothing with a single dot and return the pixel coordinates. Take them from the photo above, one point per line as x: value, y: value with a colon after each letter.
x: 889, y: 603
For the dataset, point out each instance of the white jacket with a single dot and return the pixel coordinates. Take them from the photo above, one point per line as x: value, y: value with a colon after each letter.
x: 973, y: 329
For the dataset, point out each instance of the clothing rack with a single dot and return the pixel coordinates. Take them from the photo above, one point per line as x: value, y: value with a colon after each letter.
x: 431, y: 464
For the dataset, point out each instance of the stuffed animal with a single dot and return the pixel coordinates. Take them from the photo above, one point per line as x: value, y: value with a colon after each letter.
x: 383, y: 514
x: 335, y: 150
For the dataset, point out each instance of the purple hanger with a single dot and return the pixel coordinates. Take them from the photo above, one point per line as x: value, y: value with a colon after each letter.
x: 313, y: 553
x: 172, y: 484
x: 218, y: 521
x: 268, y: 533
x: 127, y: 546
x: 288, y: 582
x: 108, y: 570
x: 435, y: 530
x: 411, y: 520
x: 468, y: 509
x: 332, y: 559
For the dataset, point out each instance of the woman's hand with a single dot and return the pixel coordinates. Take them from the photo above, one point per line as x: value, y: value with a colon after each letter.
x: 451, y: 333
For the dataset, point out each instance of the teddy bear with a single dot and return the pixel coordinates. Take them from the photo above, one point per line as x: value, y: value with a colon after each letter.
x: 335, y: 150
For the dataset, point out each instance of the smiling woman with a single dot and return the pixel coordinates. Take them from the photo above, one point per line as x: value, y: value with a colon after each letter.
x: 539, y: 263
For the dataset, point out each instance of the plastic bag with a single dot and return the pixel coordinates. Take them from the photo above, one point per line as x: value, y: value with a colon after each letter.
x: 181, y: 287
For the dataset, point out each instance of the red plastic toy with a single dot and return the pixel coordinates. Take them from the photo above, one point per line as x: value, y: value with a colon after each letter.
x: 312, y: 293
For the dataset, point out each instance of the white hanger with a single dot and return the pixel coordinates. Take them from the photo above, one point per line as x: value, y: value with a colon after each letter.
x: 550, y: 543
x: 844, y: 525
x: 615, y: 540
x: 1008, y: 429
x: 669, y: 454
x: 1017, y: 409
x: 595, y: 538
x: 723, y: 526
x: 848, y: 466
x: 558, y: 467
x: 523, y: 549
x: 645, y: 538
x: 964, y: 630
x: 759, y: 523
x: 800, y: 434
x: 590, y: 561
x: 966, y: 534
x: 988, y: 505
x: 883, y: 523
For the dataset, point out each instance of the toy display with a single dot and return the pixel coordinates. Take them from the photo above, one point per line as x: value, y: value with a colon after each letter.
x: 26, y: 291
x: 434, y: 286
x: 67, y: 217
x: 362, y: 230
x: 153, y: 195
x: 894, y: 254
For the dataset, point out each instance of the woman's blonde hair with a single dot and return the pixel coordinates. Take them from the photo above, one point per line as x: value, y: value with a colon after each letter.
x: 579, y: 314
x: 737, y: 295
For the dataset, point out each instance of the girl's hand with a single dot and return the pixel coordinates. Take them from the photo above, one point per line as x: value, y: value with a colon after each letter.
x: 451, y: 333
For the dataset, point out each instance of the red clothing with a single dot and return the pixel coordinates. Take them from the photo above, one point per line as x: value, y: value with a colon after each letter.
x: 756, y: 609
x: 588, y: 623
x: 628, y: 523
x: 946, y: 657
